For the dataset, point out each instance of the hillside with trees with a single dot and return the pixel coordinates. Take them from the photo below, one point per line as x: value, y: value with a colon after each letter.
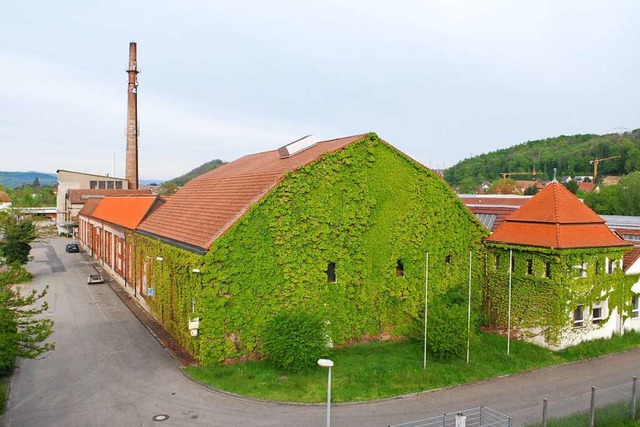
x: 17, y: 179
x: 169, y: 187
x: 570, y: 155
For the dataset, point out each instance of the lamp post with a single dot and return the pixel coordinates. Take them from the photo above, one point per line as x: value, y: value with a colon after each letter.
x: 326, y: 363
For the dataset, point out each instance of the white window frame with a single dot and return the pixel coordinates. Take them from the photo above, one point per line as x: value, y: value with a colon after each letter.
x: 603, y: 313
x: 578, y: 323
x: 635, y: 307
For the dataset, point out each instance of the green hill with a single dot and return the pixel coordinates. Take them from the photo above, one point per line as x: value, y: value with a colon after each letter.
x: 570, y: 155
x: 204, y: 168
x: 17, y: 179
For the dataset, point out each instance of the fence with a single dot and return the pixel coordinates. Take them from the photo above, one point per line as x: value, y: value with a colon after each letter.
x: 475, y: 417
x: 610, y: 406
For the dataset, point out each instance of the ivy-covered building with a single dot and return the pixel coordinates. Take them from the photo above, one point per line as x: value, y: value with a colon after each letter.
x: 339, y: 227
x: 563, y: 269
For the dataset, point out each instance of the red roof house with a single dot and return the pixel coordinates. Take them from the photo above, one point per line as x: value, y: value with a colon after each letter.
x: 562, y: 266
x: 339, y: 227
x: 105, y: 225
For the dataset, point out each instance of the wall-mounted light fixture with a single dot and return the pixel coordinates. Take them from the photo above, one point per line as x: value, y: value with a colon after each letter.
x: 159, y: 258
x: 196, y: 270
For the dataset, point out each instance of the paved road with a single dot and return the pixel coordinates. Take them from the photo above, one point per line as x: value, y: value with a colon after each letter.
x: 107, y: 370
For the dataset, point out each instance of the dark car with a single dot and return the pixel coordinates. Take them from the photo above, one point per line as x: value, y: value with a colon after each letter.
x: 72, y: 247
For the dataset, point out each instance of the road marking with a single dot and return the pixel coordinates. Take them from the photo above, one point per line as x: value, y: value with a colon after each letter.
x: 96, y: 304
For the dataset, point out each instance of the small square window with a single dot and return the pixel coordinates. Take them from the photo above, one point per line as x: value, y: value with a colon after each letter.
x: 118, y: 185
x: 597, y: 315
x: 635, y: 306
x: 547, y: 269
x: 93, y: 185
x: 399, y: 269
x: 101, y: 185
x: 331, y: 272
x: 578, y: 317
x: 529, y: 266
x: 447, y: 259
x: 612, y: 266
x: 109, y: 185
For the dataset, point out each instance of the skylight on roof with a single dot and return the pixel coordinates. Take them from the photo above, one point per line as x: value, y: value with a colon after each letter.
x: 297, y: 146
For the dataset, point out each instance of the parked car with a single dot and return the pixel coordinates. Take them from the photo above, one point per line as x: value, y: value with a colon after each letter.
x: 72, y: 247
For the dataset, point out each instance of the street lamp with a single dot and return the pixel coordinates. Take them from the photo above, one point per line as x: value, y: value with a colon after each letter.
x: 326, y: 363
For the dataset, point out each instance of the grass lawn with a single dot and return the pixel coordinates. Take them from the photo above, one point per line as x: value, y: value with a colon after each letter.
x: 618, y: 415
x: 385, y: 369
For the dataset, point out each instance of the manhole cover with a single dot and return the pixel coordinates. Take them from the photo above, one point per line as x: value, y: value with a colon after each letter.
x: 160, y: 417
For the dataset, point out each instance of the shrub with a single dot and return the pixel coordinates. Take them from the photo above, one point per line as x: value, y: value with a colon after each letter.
x: 295, y: 340
x: 447, y: 331
x: 447, y: 325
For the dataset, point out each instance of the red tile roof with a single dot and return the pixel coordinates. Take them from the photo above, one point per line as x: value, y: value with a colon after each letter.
x: 210, y: 204
x: 126, y: 212
x: 555, y: 218
x: 79, y: 196
x: 631, y: 257
x: 586, y: 186
x: 4, y: 197
x: 89, y: 206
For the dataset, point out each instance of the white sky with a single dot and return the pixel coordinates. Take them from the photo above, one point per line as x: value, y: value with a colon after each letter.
x: 439, y: 79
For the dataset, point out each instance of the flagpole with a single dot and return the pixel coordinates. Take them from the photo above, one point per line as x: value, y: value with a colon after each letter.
x: 426, y: 290
x: 469, y: 310
x: 509, y: 311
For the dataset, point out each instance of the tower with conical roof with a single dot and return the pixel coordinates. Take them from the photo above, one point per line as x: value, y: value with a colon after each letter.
x: 555, y: 275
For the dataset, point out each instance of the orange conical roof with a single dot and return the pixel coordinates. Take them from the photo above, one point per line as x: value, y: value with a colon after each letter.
x: 555, y: 218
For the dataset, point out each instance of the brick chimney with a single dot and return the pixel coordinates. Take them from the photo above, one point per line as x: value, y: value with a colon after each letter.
x: 131, y: 166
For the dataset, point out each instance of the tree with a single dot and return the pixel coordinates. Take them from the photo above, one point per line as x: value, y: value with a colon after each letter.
x: 17, y: 233
x: 571, y: 186
x: 467, y: 186
x: 531, y: 190
x: 22, y: 331
x: 36, y: 182
x: 620, y: 199
x: 629, y: 194
x: 167, y: 188
x: 504, y: 186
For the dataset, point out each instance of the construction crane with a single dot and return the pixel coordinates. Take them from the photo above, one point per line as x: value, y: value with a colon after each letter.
x: 533, y: 173
x: 508, y: 174
x: 595, y: 163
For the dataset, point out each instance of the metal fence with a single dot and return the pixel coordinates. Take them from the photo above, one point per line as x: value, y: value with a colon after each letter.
x: 475, y: 417
x: 610, y: 406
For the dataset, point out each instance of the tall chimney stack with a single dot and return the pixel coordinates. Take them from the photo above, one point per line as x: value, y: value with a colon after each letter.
x: 132, y: 119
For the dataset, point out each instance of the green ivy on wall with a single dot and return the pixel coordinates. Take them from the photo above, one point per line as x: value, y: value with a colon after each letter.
x: 364, y: 208
x: 547, y: 285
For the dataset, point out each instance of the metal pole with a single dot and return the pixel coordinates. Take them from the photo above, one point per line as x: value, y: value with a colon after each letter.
x: 544, y: 412
x: 509, y: 309
x: 592, y: 410
x: 469, y: 309
x: 426, y: 302
x: 329, y: 399
x: 633, y: 398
